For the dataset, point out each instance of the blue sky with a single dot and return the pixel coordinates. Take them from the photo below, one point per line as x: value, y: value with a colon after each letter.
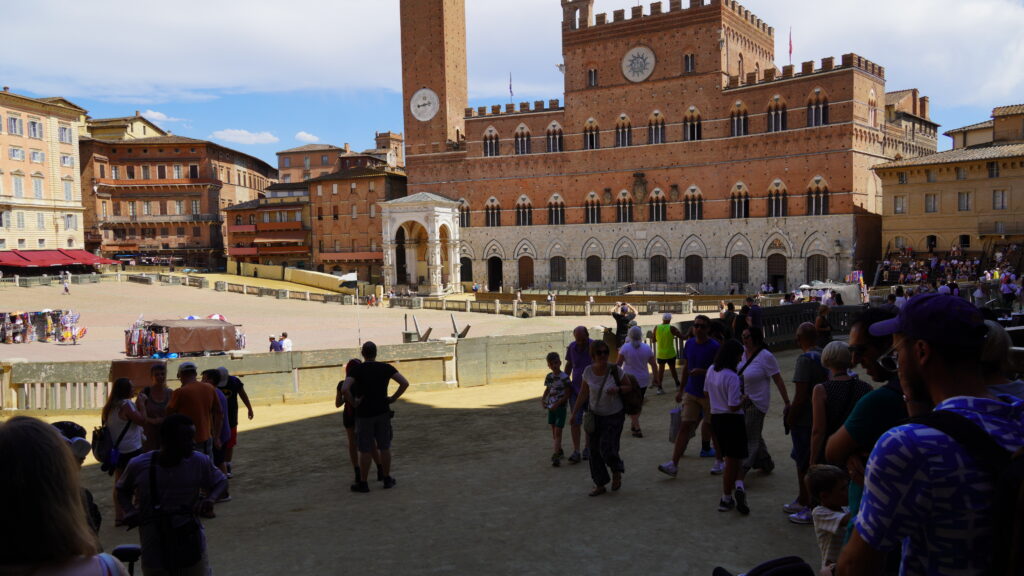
x: 262, y: 76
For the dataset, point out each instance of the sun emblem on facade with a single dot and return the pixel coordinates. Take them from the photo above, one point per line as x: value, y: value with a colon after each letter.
x: 638, y: 64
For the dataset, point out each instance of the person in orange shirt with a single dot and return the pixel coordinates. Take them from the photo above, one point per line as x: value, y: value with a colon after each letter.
x: 199, y: 401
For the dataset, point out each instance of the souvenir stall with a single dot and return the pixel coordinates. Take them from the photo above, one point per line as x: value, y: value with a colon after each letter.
x: 60, y: 326
x: 174, y: 338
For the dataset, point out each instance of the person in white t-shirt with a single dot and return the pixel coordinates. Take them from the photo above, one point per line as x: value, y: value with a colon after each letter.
x: 759, y: 369
x: 286, y: 342
x: 724, y: 392
x: 635, y: 357
x: 829, y: 485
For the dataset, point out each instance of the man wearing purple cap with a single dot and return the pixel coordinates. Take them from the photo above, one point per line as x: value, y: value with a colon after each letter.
x: 577, y: 358
x: 923, y: 489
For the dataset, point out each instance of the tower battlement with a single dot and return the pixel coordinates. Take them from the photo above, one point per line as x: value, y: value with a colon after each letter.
x: 806, y: 69
x: 579, y: 14
x: 508, y: 109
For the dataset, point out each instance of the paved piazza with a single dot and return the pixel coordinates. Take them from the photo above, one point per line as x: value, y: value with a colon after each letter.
x: 475, y: 494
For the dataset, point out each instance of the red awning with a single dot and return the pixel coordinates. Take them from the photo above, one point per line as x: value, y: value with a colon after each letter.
x: 11, y: 258
x: 45, y: 258
x: 87, y: 258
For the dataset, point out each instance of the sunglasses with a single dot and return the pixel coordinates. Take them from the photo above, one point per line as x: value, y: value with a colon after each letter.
x: 890, y: 361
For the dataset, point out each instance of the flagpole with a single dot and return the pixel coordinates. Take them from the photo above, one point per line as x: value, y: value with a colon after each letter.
x: 790, y: 45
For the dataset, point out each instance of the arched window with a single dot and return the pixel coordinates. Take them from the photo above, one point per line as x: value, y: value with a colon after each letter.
x: 556, y: 272
x: 740, y: 205
x: 623, y: 133
x: 778, y: 116
x: 656, y: 130
x: 466, y: 269
x: 523, y: 142
x: 492, y: 215
x: 592, y: 211
x: 778, y: 204
x: 464, y: 220
x: 689, y: 63
x: 739, y: 67
x: 659, y: 269
x: 817, y: 109
x: 591, y: 137
x: 739, y: 124
x: 817, y: 201
x: 624, y: 209
x: 656, y: 208
x: 900, y: 242
x: 693, y: 206
x: 624, y: 269
x: 555, y: 140
x: 872, y: 110
x: 492, y: 146
x: 694, y: 269
x: 817, y: 268
x: 593, y: 268
x: 740, y: 266
x: 692, y: 125
x: 524, y: 213
x: 556, y: 213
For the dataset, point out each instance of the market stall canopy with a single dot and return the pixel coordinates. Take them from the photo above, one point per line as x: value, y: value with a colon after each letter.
x: 11, y: 258
x: 48, y: 258
x: 201, y: 335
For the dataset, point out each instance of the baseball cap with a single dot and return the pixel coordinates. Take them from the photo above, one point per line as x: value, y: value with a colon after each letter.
x: 186, y: 366
x: 74, y: 435
x: 224, y: 374
x: 666, y: 317
x: 940, y: 319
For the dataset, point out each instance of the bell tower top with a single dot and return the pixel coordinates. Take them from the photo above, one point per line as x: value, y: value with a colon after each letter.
x: 577, y: 14
x: 434, y: 79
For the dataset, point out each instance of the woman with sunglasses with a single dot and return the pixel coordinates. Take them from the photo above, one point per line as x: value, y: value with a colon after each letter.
x: 603, y: 384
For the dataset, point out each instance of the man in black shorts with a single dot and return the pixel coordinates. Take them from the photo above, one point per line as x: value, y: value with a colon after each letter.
x: 366, y: 390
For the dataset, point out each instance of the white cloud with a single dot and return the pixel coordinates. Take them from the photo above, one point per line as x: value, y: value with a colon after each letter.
x: 244, y: 136
x: 306, y: 137
x: 160, y: 118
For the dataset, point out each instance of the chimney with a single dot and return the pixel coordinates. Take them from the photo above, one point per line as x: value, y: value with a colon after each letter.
x: 137, y: 113
x: 924, y: 108
x: 7, y: 88
x: 347, y: 148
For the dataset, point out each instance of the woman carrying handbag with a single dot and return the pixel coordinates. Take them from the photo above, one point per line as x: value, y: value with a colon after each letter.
x: 605, y: 417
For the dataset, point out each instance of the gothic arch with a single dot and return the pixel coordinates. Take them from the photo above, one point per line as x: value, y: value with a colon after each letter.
x: 592, y: 247
x: 817, y: 184
x: 740, y: 188
x: 554, y: 126
x: 524, y: 200
x: 656, y: 116
x: 522, y: 129
x: 525, y: 248
x: 625, y: 247
x: 494, y: 248
x: 693, y: 246
x: 814, y: 244
x: 818, y: 94
x: 556, y: 249
x: 658, y: 246
x: 777, y: 243
x: 491, y: 131
x: 466, y: 250
x: 556, y: 198
x: 777, y: 185
x: 655, y: 194
x: 739, y: 244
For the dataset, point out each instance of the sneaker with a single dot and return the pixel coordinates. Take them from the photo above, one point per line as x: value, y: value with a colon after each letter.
x: 765, y: 467
x: 560, y: 453
x: 638, y: 433
x: 726, y: 504
x: 660, y: 391
x: 802, y: 517
x: 360, y: 487
x: 575, y: 457
x: 586, y: 453
x: 709, y: 453
x: 741, y: 501
x: 718, y: 468
x: 389, y: 482
x: 668, y: 468
x: 793, y: 507
x: 555, y: 462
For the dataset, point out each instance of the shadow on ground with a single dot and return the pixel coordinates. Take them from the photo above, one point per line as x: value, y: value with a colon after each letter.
x: 476, y: 495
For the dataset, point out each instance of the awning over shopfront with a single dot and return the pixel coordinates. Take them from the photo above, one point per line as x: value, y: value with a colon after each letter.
x: 50, y: 258
x: 11, y: 258
x: 271, y: 237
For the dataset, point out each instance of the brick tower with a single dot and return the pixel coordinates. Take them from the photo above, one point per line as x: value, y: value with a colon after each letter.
x: 434, y: 80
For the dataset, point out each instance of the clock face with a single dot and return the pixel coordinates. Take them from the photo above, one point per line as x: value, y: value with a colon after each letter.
x: 638, y: 64
x: 424, y: 104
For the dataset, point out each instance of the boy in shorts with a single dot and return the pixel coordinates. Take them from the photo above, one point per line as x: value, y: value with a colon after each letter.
x: 829, y: 485
x: 556, y: 394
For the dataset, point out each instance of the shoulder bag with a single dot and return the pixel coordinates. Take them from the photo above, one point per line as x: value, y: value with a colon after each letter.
x: 589, y: 418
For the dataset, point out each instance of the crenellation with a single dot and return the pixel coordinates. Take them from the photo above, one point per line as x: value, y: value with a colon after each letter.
x: 602, y: 18
x: 538, y: 105
x: 787, y: 71
x: 496, y: 109
x: 827, y: 64
x: 655, y: 8
x: 481, y: 111
x: 619, y: 15
x: 553, y: 104
x: 807, y: 67
x: 769, y: 74
x: 637, y: 12
x: 524, y: 106
x: 510, y: 108
x: 751, y: 78
x: 469, y: 112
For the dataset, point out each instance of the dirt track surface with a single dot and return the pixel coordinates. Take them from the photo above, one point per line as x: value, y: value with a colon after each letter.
x: 476, y: 494
x: 107, y: 309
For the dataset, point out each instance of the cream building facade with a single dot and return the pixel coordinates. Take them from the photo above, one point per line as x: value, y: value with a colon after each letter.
x: 40, y: 188
x: 971, y: 197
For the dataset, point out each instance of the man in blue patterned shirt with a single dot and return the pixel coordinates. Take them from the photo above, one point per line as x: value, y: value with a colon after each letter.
x: 923, y: 491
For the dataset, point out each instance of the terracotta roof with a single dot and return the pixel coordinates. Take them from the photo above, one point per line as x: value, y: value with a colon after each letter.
x: 156, y: 140
x: 287, y: 186
x: 959, y: 155
x: 360, y: 172
x: 1008, y: 110
x: 985, y: 124
x: 311, y: 148
x: 422, y: 197
x: 895, y: 96
x: 243, y: 206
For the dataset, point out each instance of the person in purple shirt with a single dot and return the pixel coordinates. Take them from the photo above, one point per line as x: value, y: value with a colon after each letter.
x: 698, y: 354
x: 577, y: 358
x: 212, y: 377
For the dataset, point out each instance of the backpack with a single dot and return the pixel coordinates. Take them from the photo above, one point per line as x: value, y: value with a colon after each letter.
x: 1008, y: 483
x: 105, y: 449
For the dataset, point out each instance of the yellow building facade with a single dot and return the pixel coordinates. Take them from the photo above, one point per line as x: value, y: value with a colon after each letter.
x: 971, y: 197
x: 40, y: 188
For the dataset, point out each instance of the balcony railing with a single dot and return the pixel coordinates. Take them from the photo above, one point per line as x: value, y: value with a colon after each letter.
x: 154, y: 181
x: 268, y: 226
x: 157, y: 218
x: 284, y: 250
x: 242, y: 228
x: 1001, y: 228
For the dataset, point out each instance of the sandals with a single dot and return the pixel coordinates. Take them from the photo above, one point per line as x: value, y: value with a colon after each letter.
x: 597, y: 491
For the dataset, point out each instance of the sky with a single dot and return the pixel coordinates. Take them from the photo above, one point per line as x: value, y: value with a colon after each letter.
x: 262, y: 76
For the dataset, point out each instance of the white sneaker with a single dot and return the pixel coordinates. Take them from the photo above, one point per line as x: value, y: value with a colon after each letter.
x: 668, y: 468
x: 718, y: 468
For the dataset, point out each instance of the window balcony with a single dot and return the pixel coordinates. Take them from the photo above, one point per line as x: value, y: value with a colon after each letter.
x: 159, y: 218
